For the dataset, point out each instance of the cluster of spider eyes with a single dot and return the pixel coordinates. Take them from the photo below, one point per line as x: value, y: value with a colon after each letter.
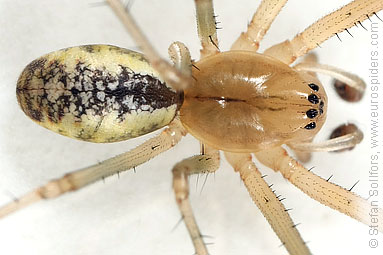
x: 312, y: 113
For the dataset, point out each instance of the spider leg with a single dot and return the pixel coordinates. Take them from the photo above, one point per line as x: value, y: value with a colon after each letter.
x: 180, y: 56
x: 206, y: 163
x: 355, y: 89
x: 170, y: 74
x: 302, y: 156
x: 270, y: 206
x: 326, y: 27
x: 346, y: 141
x: 356, y: 85
x: 207, y: 30
x: 327, y: 193
x: 260, y: 23
x: 81, y: 178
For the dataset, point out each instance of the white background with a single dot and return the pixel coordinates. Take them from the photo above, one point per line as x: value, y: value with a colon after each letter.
x: 136, y: 213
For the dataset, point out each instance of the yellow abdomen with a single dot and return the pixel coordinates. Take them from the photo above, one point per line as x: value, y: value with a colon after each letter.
x: 96, y: 93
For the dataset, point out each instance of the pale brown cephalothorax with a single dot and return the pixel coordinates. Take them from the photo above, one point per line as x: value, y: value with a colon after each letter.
x: 240, y: 102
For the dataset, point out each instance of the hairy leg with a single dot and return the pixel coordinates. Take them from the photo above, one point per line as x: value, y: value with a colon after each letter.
x: 206, y: 24
x: 328, y: 26
x: 206, y: 163
x: 270, y: 206
x: 317, y: 188
x: 260, y: 23
x: 83, y: 177
x: 170, y: 74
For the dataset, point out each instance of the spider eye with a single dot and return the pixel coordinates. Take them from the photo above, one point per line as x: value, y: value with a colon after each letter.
x: 312, y: 125
x: 321, y: 105
x: 314, y: 86
x: 312, y: 113
x: 313, y: 99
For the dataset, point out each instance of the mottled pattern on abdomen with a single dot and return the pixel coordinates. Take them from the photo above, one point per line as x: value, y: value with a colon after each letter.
x: 97, y: 93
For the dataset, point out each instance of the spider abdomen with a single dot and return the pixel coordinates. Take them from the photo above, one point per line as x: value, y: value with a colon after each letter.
x: 97, y: 93
x: 245, y: 102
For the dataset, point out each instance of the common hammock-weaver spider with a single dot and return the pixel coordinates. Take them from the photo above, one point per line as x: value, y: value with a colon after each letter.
x: 318, y: 165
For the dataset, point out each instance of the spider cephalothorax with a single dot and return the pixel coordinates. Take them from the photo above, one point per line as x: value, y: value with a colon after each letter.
x: 245, y: 102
